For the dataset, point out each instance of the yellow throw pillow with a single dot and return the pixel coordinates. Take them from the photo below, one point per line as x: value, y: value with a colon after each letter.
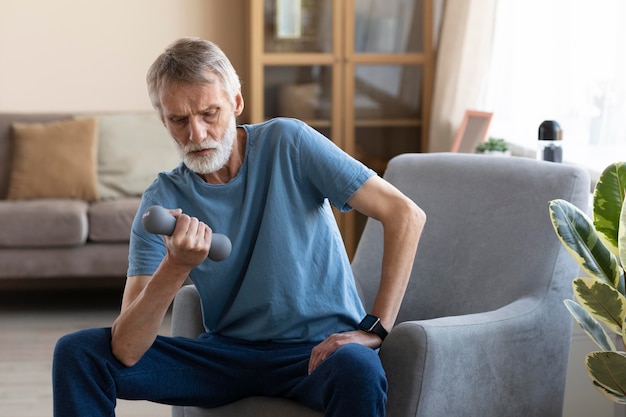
x: 54, y: 160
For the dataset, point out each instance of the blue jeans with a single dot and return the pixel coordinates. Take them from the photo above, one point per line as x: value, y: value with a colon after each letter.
x: 211, y: 371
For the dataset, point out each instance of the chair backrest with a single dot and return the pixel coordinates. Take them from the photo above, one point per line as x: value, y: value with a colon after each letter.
x: 488, y: 239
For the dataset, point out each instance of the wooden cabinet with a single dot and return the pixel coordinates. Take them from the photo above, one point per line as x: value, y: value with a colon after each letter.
x: 358, y: 71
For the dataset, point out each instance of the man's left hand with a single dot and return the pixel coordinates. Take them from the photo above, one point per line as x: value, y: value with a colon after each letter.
x: 337, y: 340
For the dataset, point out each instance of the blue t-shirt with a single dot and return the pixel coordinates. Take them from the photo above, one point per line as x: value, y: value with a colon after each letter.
x: 288, y: 278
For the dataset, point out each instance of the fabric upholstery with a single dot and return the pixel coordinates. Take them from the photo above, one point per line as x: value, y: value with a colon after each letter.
x: 43, y: 223
x: 132, y: 149
x: 54, y: 160
x: 6, y: 139
x: 111, y: 220
x: 482, y: 330
x: 94, y: 260
x: 483, y: 316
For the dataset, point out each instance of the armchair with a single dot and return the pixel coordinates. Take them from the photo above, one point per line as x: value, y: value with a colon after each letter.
x: 482, y: 330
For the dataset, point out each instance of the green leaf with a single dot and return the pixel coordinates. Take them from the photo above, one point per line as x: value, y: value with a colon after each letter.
x: 611, y: 395
x: 590, y: 325
x: 603, y: 301
x: 579, y: 237
x: 622, y: 236
x: 607, y: 370
x: 608, y: 199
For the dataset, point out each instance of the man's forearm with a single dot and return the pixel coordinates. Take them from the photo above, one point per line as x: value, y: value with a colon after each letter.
x: 401, y: 236
x: 143, y: 309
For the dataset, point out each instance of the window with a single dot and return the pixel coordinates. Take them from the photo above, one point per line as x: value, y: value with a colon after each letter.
x: 562, y: 60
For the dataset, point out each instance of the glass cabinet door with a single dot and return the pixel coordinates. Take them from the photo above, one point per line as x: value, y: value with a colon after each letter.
x: 300, y: 91
x: 386, y: 107
x: 384, y: 80
x: 388, y: 26
x: 298, y: 26
x: 386, y: 91
x: 298, y: 52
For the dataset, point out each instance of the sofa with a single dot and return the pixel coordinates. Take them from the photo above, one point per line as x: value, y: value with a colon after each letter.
x: 70, y: 186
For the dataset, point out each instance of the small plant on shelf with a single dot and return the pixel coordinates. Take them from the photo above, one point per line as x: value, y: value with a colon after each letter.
x: 493, y: 146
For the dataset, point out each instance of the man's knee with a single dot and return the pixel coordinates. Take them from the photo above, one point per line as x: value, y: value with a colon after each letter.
x: 356, y: 384
x: 83, y: 342
x: 355, y: 362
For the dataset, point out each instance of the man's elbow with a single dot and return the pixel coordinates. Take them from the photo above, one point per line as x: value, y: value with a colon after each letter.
x: 123, y: 352
x: 124, y: 356
x: 415, y: 216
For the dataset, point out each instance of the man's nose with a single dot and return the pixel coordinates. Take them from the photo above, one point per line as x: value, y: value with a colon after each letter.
x: 197, y: 131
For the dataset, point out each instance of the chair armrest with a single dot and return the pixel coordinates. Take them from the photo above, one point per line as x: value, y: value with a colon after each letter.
x: 439, y: 366
x: 187, y: 313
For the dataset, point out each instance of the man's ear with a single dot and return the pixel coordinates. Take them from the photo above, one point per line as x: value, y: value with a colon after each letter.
x: 239, y: 104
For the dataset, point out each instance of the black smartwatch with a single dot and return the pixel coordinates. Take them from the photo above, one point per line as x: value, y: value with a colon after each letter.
x: 371, y: 324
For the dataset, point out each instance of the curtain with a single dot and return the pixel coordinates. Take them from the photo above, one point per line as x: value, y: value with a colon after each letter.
x: 462, y: 67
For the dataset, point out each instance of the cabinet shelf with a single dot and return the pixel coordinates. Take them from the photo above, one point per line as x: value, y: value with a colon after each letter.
x: 297, y: 59
x: 325, y: 58
x: 388, y: 123
x: 388, y: 59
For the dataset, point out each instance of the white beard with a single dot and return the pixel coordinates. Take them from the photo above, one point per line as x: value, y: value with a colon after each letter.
x: 217, y: 159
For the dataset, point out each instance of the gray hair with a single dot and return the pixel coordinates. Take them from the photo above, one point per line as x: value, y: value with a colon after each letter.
x: 189, y: 60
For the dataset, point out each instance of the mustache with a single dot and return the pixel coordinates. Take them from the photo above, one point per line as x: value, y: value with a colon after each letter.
x: 195, y: 147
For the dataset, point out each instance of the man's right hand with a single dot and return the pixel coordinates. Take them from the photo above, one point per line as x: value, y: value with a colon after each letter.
x: 189, y: 245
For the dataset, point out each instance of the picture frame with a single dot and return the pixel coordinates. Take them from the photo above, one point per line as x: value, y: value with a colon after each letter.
x: 472, y: 131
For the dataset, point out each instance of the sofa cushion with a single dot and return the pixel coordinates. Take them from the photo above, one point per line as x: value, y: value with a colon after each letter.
x: 6, y: 139
x: 110, y: 221
x: 132, y: 149
x: 54, y: 160
x: 43, y: 223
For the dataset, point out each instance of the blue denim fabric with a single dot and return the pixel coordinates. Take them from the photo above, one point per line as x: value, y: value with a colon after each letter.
x: 211, y: 371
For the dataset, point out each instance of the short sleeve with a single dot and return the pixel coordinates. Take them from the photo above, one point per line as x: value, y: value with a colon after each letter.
x: 332, y: 171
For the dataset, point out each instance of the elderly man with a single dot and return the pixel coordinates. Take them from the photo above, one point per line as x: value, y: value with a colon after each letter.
x: 282, y: 314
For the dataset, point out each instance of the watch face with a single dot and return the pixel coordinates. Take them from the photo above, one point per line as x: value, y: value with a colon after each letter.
x: 369, y: 321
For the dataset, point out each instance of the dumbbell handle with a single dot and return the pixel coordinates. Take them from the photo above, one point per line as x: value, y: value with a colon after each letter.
x: 159, y: 221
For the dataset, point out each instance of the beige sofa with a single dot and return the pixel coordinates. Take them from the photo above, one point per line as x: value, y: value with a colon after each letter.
x: 70, y: 185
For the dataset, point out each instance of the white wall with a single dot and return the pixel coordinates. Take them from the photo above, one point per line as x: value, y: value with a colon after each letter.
x: 86, y: 55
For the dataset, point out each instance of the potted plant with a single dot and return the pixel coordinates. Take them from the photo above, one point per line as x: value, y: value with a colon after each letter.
x: 599, y: 247
x: 493, y: 146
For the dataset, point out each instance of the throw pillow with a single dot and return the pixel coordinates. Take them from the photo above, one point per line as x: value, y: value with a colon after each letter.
x: 54, y: 160
x: 132, y: 150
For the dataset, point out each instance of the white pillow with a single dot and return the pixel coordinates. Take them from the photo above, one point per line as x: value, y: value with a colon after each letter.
x: 132, y: 150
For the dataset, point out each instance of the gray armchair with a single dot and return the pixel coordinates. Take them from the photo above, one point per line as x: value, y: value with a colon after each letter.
x: 482, y: 330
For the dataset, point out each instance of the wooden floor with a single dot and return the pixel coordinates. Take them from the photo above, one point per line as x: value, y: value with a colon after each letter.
x: 30, y: 324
